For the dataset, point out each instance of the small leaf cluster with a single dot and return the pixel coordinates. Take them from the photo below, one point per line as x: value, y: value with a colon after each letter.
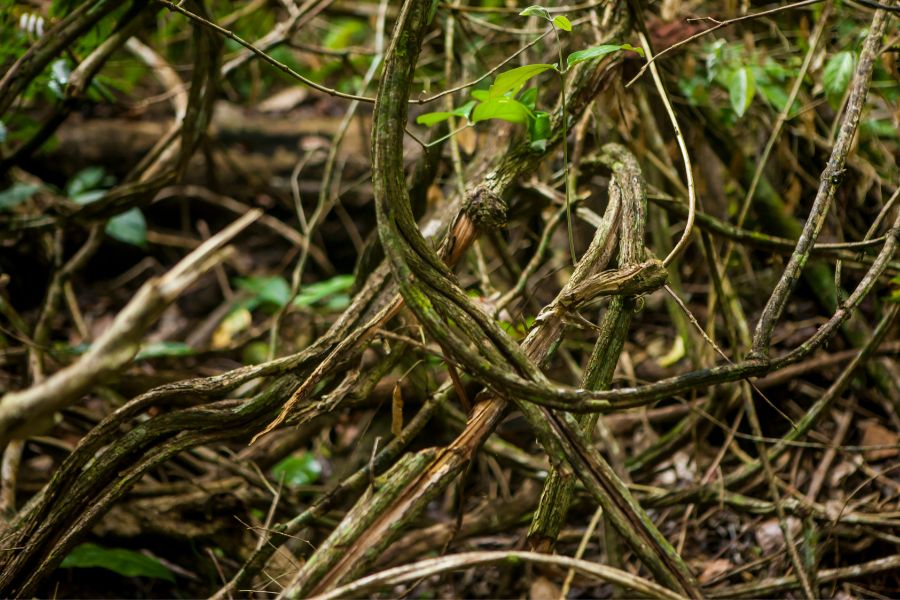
x: 91, y: 184
x: 86, y: 186
x: 269, y: 294
x: 744, y: 75
x: 500, y: 101
x: 506, y: 101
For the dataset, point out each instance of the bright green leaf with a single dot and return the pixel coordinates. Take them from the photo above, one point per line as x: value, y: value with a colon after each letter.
x: 562, y: 22
x: 741, y: 89
x: 536, y: 11
x: 16, y: 194
x: 163, y: 349
x: 270, y: 290
x: 480, y: 95
x: 837, y: 74
x: 322, y: 290
x: 599, y: 51
x: 298, y: 470
x: 514, y: 79
x: 433, y: 118
x: 465, y: 110
x: 129, y: 227
x: 119, y: 560
x: 505, y: 109
x: 540, y: 126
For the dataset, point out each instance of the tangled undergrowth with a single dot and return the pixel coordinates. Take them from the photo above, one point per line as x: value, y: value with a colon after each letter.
x: 344, y: 299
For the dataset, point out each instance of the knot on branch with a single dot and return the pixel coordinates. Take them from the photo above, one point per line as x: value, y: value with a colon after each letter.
x: 485, y: 208
x: 632, y: 280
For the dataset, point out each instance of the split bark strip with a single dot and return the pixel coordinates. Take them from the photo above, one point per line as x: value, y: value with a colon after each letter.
x: 556, y: 498
x: 118, y: 346
x: 830, y: 180
x: 427, y: 285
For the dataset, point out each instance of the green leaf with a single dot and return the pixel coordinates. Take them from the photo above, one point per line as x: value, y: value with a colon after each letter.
x: 163, y: 349
x: 267, y: 290
x: 129, y: 227
x: 562, y: 22
x: 16, y: 194
x: 298, y: 470
x: 599, y: 51
x: 465, y: 110
x: 515, y: 79
x: 119, y: 560
x: 84, y: 180
x: 433, y: 118
x: 741, y: 88
x: 837, y: 74
x: 879, y: 128
x: 774, y: 95
x: 536, y: 11
x: 505, y: 109
x: 529, y: 98
x: 540, y: 126
x: 317, y: 292
x: 480, y: 95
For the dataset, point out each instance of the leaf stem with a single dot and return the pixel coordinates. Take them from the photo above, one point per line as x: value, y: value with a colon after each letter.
x: 448, y: 136
x: 563, y: 72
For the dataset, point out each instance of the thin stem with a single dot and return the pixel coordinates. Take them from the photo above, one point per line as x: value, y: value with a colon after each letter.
x: 463, y: 86
x: 446, y: 137
x: 260, y: 53
x: 565, y: 144
x: 688, y: 169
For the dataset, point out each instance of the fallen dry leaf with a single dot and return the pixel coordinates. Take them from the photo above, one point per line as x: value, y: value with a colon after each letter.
x: 714, y: 569
x: 875, y: 434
